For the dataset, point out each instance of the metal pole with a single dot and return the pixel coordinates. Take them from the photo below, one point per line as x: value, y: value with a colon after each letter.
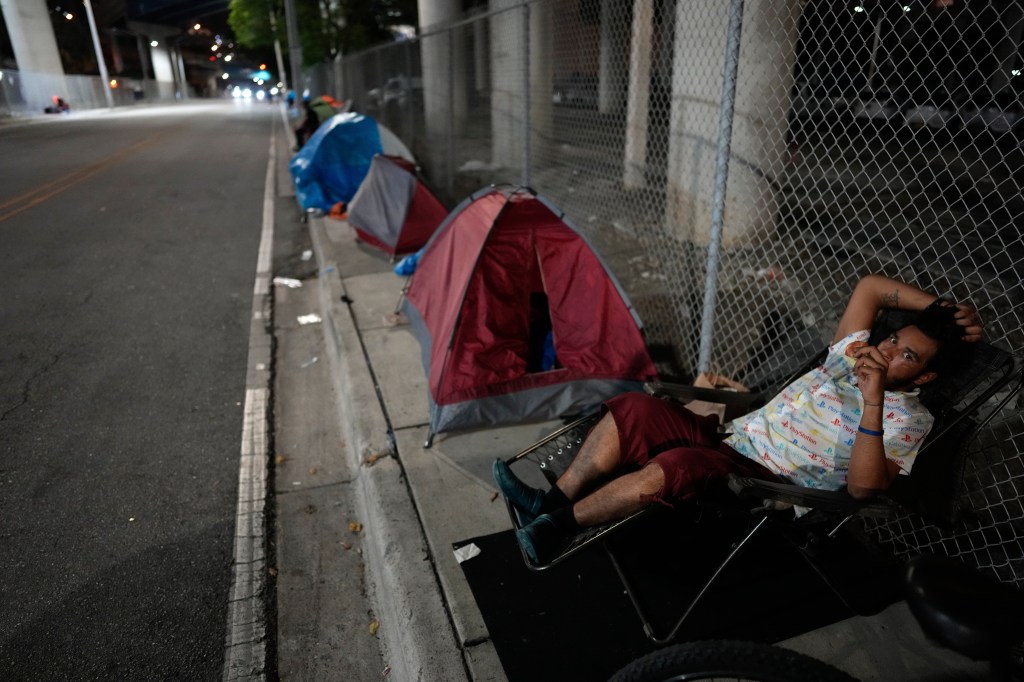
x: 294, y: 46
x: 451, y: 111
x: 873, y: 64
x: 277, y: 51
x: 526, y: 95
x: 725, y: 116
x: 104, y: 76
x: 410, y: 111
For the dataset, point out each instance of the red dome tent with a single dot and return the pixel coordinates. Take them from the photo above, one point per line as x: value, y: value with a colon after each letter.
x: 393, y: 210
x: 503, y: 273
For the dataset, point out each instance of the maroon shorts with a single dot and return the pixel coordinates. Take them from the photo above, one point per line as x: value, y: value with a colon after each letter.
x: 686, y: 446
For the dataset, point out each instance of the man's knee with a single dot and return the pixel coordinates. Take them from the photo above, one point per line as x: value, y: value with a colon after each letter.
x: 651, y: 481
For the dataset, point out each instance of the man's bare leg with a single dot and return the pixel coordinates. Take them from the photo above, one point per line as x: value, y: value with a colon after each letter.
x: 598, y: 459
x: 542, y: 538
x: 621, y: 497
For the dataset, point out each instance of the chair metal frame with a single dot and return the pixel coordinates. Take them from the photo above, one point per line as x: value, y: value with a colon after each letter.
x: 553, y: 453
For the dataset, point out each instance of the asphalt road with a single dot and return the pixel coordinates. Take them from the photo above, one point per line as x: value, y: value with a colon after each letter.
x: 128, y: 248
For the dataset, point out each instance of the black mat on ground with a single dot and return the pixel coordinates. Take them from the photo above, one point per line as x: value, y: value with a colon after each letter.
x: 575, y: 622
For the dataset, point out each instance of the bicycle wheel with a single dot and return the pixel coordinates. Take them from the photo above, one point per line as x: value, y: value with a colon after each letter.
x: 728, y: 660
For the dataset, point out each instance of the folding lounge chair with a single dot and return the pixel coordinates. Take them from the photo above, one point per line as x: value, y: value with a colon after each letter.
x: 963, y: 403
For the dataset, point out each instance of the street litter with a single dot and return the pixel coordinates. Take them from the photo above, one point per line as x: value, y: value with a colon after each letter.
x: 346, y: 545
x: 287, y: 282
x: 466, y: 552
x: 355, y: 526
x: 372, y: 459
x: 374, y: 626
x: 312, y: 318
x: 309, y: 363
x: 386, y: 671
x: 307, y: 254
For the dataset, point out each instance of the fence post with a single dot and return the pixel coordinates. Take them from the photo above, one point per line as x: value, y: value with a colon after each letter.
x: 725, y: 116
x: 410, y: 109
x: 526, y: 95
x: 451, y: 111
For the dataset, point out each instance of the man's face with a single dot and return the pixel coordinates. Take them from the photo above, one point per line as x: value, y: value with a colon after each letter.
x: 908, y: 351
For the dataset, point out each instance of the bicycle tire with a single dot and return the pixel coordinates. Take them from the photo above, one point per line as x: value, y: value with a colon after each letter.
x: 729, y: 660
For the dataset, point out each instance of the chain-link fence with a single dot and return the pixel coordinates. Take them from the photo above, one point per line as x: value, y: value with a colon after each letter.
x: 751, y: 160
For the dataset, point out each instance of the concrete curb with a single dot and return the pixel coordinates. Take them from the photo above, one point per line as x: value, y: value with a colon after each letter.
x: 415, y: 628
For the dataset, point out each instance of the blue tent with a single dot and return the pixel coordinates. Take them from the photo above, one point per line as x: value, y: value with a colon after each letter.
x: 332, y: 164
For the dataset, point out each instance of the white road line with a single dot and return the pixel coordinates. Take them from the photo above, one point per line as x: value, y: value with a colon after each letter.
x: 245, y: 653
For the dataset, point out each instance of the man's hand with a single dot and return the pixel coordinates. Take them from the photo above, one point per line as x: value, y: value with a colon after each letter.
x: 968, y: 318
x: 870, y: 368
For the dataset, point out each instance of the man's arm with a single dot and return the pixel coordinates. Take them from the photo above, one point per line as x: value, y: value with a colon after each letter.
x: 870, y: 471
x: 876, y: 292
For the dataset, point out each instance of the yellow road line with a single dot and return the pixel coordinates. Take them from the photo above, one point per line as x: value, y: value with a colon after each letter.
x: 38, y: 195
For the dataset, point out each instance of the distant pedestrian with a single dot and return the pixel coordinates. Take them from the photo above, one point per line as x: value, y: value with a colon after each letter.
x: 59, y: 106
x: 310, y: 122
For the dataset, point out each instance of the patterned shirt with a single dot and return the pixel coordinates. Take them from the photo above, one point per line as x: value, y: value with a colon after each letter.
x: 806, y: 433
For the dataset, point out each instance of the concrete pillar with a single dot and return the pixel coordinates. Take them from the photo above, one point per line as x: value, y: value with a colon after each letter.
x: 767, y: 55
x: 163, y: 67
x: 116, y: 59
x: 481, y: 64
x: 638, y: 101
x: 542, y: 79
x: 512, y: 126
x: 157, y: 58
x: 142, y: 45
x: 444, y: 81
x: 507, y: 83
x: 611, y: 84
x: 35, y: 50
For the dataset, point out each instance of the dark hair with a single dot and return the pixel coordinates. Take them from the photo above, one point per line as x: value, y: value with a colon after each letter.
x: 938, y: 322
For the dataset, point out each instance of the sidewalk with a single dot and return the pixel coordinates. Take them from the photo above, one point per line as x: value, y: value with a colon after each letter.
x: 415, y: 500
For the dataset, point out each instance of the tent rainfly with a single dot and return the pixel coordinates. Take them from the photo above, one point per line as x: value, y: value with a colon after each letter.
x: 518, y: 318
x: 331, y: 165
x: 393, y: 209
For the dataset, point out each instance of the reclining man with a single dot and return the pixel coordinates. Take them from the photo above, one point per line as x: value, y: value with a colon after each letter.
x: 855, y: 420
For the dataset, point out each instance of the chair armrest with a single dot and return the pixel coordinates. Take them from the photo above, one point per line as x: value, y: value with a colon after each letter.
x: 838, y: 501
x: 746, y: 401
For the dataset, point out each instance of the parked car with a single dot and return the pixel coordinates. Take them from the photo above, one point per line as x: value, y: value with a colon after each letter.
x: 999, y: 114
x: 399, y: 91
x: 880, y: 106
x: 576, y: 91
x: 933, y: 115
x: 816, y: 106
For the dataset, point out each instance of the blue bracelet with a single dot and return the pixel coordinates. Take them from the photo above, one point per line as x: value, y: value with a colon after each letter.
x: 869, y: 432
